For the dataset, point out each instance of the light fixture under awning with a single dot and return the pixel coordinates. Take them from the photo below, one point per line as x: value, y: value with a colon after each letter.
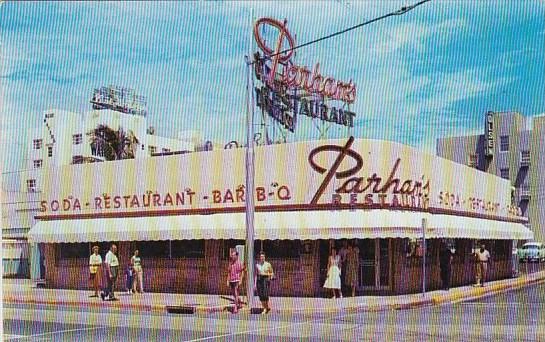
x: 286, y: 225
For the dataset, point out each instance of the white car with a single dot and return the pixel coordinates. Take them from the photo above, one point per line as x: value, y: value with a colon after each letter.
x: 532, y: 252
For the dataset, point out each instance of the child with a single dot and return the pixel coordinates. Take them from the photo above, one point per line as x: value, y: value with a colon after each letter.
x: 129, y: 273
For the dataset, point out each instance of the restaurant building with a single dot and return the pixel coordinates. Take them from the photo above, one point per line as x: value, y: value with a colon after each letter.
x: 184, y: 213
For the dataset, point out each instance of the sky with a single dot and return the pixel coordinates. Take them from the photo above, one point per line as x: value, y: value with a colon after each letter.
x: 429, y: 73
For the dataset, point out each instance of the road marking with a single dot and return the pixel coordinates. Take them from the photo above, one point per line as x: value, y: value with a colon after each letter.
x: 317, y: 320
x: 13, y: 336
x: 500, y: 304
x: 58, y: 332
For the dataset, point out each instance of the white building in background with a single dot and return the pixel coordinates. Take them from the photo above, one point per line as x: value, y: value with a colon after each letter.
x: 66, y: 138
x: 512, y: 148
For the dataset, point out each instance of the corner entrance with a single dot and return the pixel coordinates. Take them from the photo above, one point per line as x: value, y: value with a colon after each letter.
x: 374, y: 259
x: 374, y: 264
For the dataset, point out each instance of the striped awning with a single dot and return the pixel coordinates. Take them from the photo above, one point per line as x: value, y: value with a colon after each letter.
x: 287, y: 225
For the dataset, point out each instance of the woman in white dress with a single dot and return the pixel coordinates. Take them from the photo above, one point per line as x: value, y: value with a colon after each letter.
x: 333, y: 280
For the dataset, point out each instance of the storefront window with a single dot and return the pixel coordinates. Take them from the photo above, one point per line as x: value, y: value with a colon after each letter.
x: 153, y: 249
x: 73, y: 250
x: 281, y: 249
x: 414, y: 251
x: 502, y: 249
x: 274, y: 249
x: 103, y: 247
x: 187, y: 249
x: 498, y: 249
x: 227, y: 245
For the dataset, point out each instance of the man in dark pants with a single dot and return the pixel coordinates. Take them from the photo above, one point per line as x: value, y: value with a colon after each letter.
x: 445, y: 262
x: 112, y: 270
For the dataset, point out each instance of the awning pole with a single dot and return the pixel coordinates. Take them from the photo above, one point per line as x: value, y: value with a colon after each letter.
x: 424, y: 252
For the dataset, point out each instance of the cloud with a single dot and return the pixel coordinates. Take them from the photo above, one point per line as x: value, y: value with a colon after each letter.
x: 422, y: 74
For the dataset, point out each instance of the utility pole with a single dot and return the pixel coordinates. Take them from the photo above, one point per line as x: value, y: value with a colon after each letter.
x: 250, y: 172
x: 424, y: 252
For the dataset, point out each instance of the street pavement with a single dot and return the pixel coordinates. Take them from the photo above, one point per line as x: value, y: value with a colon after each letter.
x: 513, y: 316
x: 23, y: 291
x: 510, y: 309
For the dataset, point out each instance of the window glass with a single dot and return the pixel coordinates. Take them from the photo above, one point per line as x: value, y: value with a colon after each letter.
x: 281, y: 249
x: 187, y: 249
x: 77, y: 139
x: 504, y: 143
x: 31, y: 185
x: 73, y: 250
x: 153, y: 249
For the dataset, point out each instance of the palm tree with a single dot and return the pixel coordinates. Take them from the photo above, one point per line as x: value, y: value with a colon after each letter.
x: 111, y: 144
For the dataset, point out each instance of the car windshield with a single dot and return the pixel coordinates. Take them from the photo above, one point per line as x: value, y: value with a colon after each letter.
x: 530, y: 247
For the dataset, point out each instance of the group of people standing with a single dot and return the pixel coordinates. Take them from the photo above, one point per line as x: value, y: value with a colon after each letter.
x: 110, y: 270
x: 482, y: 260
x: 343, y: 269
x: 263, y: 275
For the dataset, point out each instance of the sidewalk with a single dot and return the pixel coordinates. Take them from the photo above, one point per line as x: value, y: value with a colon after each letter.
x: 23, y: 291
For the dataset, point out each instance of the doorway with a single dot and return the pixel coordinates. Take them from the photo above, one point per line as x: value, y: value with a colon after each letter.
x: 375, y: 264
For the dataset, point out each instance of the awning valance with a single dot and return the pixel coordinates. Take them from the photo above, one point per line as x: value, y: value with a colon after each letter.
x: 289, y: 225
x: 449, y: 226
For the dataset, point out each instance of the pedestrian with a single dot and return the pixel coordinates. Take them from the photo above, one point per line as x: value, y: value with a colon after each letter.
x: 352, y: 267
x: 264, y: 275
x: 333, y: 280
x: 343, y: 252
x: 235, y: 274
x: 138, y: 273
x: 482, y: 257
x: 129, y: 276
x: 445, y: 263
x: 95, y: 261
x: 112, y: 269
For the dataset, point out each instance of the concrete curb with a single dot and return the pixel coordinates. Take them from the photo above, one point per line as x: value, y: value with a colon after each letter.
x: 490, y: 291
x: 99, y: 304
x: 455, y: 296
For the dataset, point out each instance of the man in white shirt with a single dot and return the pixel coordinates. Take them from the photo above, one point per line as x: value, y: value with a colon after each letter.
x: 112, y: 270
x: 482, y: 257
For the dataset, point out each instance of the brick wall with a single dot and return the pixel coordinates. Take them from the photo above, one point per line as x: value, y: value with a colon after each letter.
x: 408, y: 273
x: 294, y: 277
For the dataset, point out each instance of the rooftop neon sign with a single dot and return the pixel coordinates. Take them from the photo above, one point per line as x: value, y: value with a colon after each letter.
x: 295, y: 76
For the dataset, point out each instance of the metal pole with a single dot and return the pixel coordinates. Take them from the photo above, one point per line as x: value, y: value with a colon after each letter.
x: 424, y: 226
x: 250, y: 207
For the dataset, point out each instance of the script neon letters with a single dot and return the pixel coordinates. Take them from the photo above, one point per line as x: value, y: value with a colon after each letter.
x: 295, y: 76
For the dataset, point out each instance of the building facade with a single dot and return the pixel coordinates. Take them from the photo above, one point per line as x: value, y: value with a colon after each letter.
x: 18, y: 211
x: 512, y: 148
x: 185, y: 212
x: 68, y: 138
x: 99, y: 135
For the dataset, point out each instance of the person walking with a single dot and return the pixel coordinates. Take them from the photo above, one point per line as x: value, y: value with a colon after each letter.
x: 264, y: 274
x: 136, y: 262
x: 445, y: 263
x: 235, y: 273
x: 482, y: 257
x: 112, y: 270
x: 95, y: 261
x: 352, y: 262
x: 333, y: 280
